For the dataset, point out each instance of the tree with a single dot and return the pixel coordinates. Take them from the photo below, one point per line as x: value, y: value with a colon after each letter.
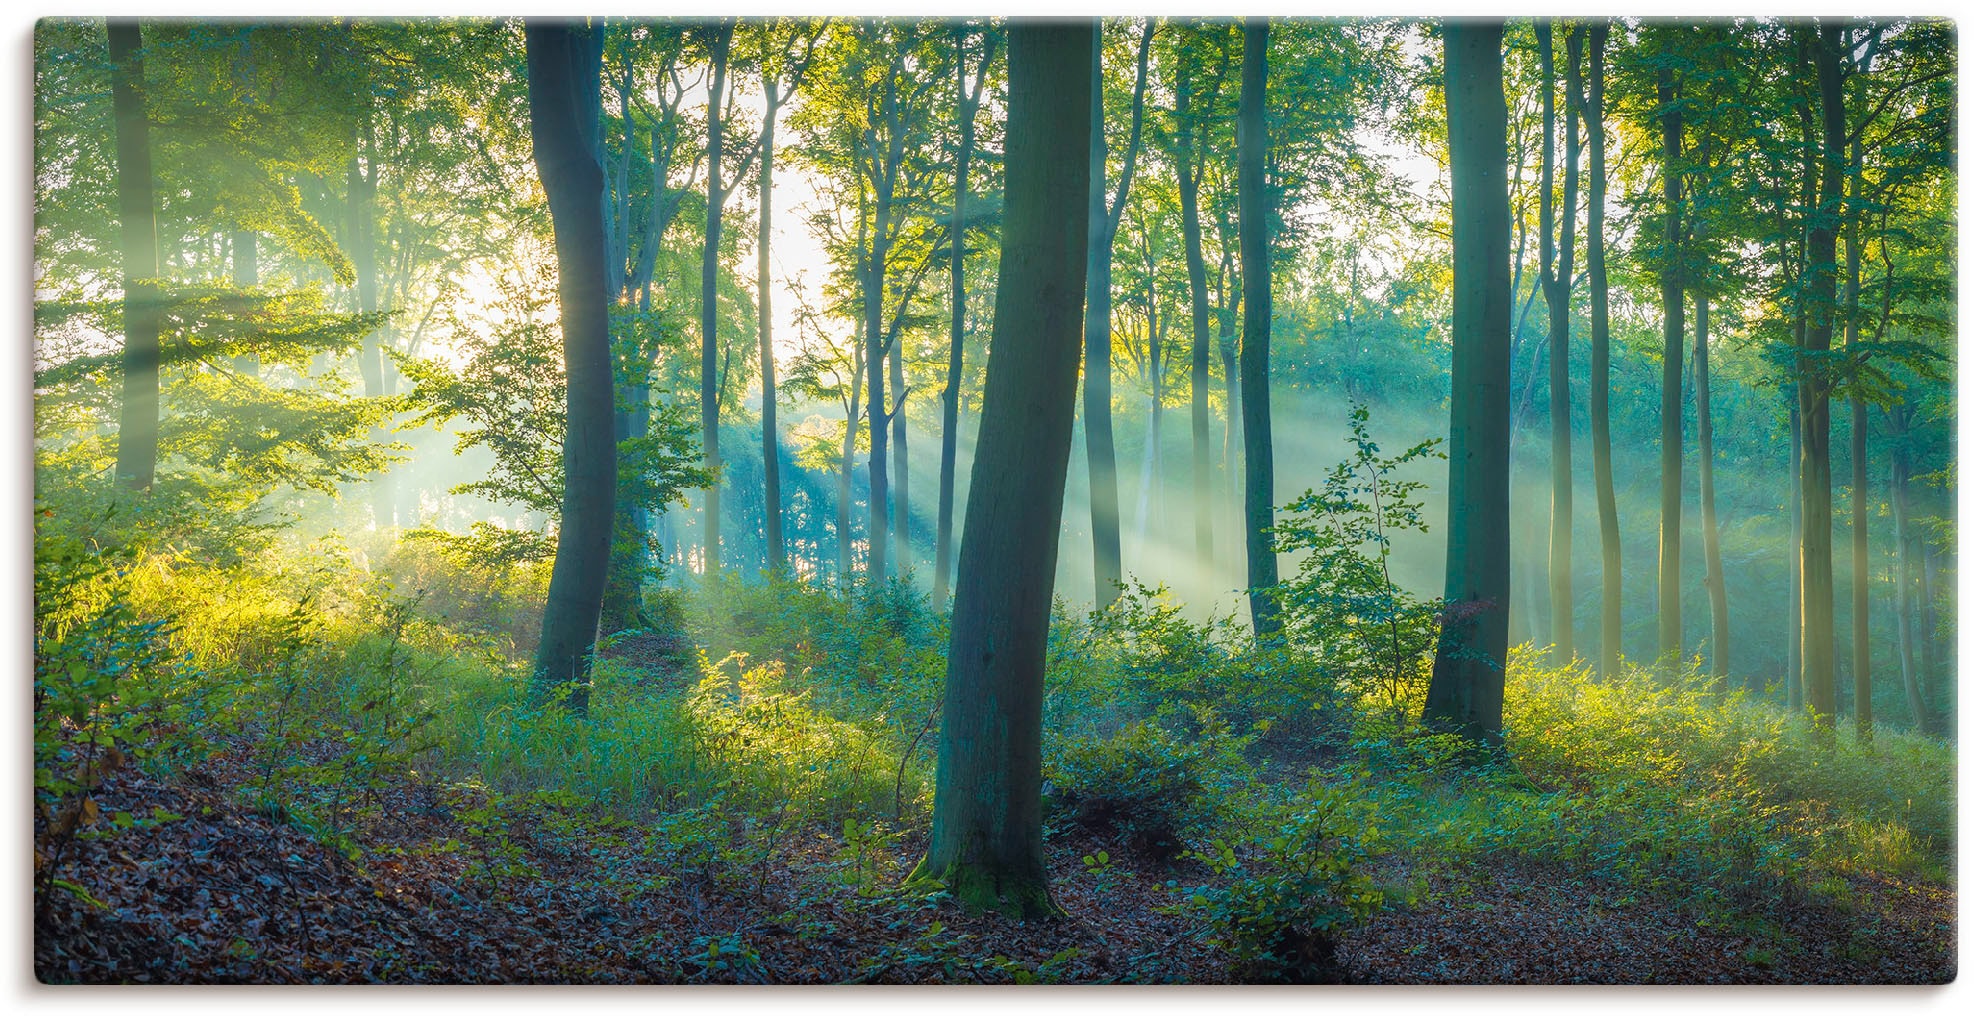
x: 949, y: 432
x: 1672, y: 297
x: 987, y: 809
x: 1558, y: 267
x: 137, y: 421
x: 719, y: 39
x: 1819, y: 594
x: 1469, y: 666
x: 1257, y: 311
x: 1106, y: 214
x: 792, y: 68
x: 1611, y: 629
x: 564, y: 69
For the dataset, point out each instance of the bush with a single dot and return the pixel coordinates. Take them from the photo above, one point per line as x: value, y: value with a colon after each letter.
x: 1294, y: 888
x: 1139, y: 785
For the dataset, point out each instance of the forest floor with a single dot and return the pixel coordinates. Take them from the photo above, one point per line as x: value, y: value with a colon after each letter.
x: 434, y: 884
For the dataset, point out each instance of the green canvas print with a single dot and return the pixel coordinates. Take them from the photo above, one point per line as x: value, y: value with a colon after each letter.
x: 850, y: 500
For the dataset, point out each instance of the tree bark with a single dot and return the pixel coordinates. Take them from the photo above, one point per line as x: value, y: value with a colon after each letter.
x: 137, y: 414
x: 1105, y: 214
x: 1558, y: 268
x: 1703, y: 425
x: 987, y: 811
x: 1793, y: 680
x: 1903, y: 537
x: 564, y: 66
x: 709, y: 293
x: 1610, y: 645
x: 1672, y: 439
x: 1819, y: 610
x: 1257, y: 303
x: 770, y: 433
x: 1189, y: 228
x: 969, y: 105
x: 1469, y: 667
x: 1860, y: 477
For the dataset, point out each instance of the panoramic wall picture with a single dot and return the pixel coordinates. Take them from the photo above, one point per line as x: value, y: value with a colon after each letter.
x: 859, y: 501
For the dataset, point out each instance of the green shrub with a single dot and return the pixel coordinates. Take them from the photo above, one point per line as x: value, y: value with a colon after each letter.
x: 1139, y: 785
x: 1294, y: 887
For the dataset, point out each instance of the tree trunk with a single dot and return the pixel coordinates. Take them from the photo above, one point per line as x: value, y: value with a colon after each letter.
x: 1907, y: 577
x: 1231, y: 440
x: 137, y: 415
x: 987, y: 812
x: 1558, y: 267
x: 845, y: 558
x: 770, y: 433
x: 1794, y: 666
x: 564, y: 65
x: 709, y: 294
x: 1672, y: 439
x: 1819, y: 608
x: 1189, y: 228
x: 1611, y: 629
x: 901, y: 465
x: 1105, y: 214
x: 1709, y: 516
x: 969, y: 104
x: 1257, y: 303
x: 1469, y: 666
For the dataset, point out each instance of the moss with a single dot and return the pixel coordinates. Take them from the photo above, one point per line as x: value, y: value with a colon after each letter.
x: 978, y: 888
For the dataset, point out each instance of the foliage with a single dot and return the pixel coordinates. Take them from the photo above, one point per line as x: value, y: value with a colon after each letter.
x: 1342, y: 604
x: 1139, y: 785
x: 1295, y: 886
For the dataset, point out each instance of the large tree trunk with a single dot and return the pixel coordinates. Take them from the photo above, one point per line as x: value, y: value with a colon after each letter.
x: 137, y: 415
x: 770, y: 434
x: 1558, y: 268
x: 709, y: 293
x: 987, y: 811
x: 1611, y: 629
x: 1860, y: 477
x: 969, y: 104
x: 1819, y: 596
x: 1257, y: 312
x: 564, y: 65
x: 1672, y: 438
x: 1703, y: 424
x: 1469, y: 667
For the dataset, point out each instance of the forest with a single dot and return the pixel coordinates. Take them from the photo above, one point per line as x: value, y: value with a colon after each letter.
x: 864, y: 501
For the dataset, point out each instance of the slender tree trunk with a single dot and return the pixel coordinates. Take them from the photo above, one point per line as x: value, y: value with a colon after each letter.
x: 770, y: 432
x: 1907, y: 577
x: 1099, y: 445
x: 987, y: 812
x: 1860, y: 518
x: 1469, y: 668
x: 1231, y: 441
x: 1931, y: 690
x: 1819, y: 610
x: 901, y: 465
x: 1257, y: 305
x: 137, y: 415
x: 1794, y: 665
x: 1611, y: 630
x: 969, y: 105
x: 845, y: 559
x: 1703, y: 424
x: 564, y: 65
x: 709, y: 293
x: 1672, y: 439
x: 1558, y: 267
x: 1189, y: 228
x: 1105, y: 216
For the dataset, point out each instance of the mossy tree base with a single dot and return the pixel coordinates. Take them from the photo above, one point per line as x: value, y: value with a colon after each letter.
x: 980, y: 888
